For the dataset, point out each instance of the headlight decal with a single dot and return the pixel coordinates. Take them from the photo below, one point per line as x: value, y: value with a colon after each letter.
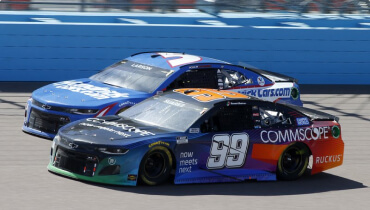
x: 113, y: 151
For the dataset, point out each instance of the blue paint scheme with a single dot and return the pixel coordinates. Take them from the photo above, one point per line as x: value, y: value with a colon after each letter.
x: 202, y: 151
x: 329, y: 49
x: 109, y: 100
x: 199, y: 145
x: 67, y: 98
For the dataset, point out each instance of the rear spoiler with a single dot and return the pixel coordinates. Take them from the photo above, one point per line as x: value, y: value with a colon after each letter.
x: 276, y: 77
x: 314, y: 114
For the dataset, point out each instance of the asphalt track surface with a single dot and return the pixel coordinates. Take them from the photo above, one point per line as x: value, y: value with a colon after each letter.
x: 25, y: 182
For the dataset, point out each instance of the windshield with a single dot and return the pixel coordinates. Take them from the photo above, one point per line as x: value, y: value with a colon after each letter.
x: 165, y: 112
x: 132, y: 75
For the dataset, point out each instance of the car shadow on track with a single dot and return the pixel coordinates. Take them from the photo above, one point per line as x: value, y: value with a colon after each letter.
x: 318, y: 183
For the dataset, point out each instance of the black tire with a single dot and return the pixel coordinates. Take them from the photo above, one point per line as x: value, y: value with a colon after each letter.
x: 156, y: 165
x: 292, y: 162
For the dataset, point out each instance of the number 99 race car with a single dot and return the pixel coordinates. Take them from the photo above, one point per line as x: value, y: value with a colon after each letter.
x: 199, y: 136
x: 141, y: 76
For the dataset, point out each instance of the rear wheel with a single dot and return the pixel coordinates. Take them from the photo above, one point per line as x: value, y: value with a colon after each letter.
x: 156, y: 166
x: 293, y: 162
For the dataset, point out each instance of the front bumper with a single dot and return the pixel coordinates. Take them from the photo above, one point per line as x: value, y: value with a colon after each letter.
x: 46, y: 123
x: 109, y: 179
x: 91, y: 167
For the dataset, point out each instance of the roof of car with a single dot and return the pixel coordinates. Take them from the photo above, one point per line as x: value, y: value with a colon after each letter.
x: 170, y: 60
x: 205, y: 97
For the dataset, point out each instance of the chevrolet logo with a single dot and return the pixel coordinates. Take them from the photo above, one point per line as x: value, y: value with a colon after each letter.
x: 44, y: 106
x: 72, y: 145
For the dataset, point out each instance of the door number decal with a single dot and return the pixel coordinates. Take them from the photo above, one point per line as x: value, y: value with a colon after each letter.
x: 228, y: 151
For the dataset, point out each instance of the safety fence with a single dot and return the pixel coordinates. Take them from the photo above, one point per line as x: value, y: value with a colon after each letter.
x: 315, y: 49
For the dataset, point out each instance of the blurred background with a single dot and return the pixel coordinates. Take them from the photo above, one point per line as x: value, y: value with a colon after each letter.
x: 315, y: 41
x: 209, y: 6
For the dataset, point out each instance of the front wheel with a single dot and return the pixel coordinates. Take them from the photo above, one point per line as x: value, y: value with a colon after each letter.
x: 293, y: 162
x: 156, y: 166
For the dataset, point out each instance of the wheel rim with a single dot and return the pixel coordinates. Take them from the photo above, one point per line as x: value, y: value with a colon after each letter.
x: 292, y: 160
x: 154, y: 165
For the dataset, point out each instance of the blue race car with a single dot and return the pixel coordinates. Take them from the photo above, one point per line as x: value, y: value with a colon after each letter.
x: 141, y: 76
x: 198, y: 136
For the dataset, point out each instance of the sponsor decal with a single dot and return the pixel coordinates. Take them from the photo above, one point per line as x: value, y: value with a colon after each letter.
x: 175, y: 102
x: 140, y: 66
x: 290, y: 135
x: 335, y: 131
x: 120, y: 133
x: 159, y: 143
x: 267, y: 93
x: 111, y: 161
x: 182, y: 140
x: 237, y: 103
x: 127, y: 103
x: 90, y: 90
x: 123, y: 126
x: 186, y: 162
x: 328, y: 159
x: 254, y: 108
x: 194, y: 130
x: 256, y: 114
x: 132, y: 177
x: 257, y: 126
x: 260, y: 81
x: 301, y: 121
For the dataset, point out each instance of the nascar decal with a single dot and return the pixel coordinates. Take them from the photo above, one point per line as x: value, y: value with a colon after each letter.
x: 228, y: 151
x: 90, y: 90
x: 289, y: 135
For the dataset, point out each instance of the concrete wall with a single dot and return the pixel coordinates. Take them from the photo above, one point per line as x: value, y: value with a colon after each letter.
x: 315, y: 49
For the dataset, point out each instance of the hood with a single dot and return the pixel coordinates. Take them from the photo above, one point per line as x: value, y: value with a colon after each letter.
x: 83, y: 93
x: 110, y: 130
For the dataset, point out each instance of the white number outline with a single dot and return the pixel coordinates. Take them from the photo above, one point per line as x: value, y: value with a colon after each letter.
x: 184, y: 59
x: 227, y: 154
